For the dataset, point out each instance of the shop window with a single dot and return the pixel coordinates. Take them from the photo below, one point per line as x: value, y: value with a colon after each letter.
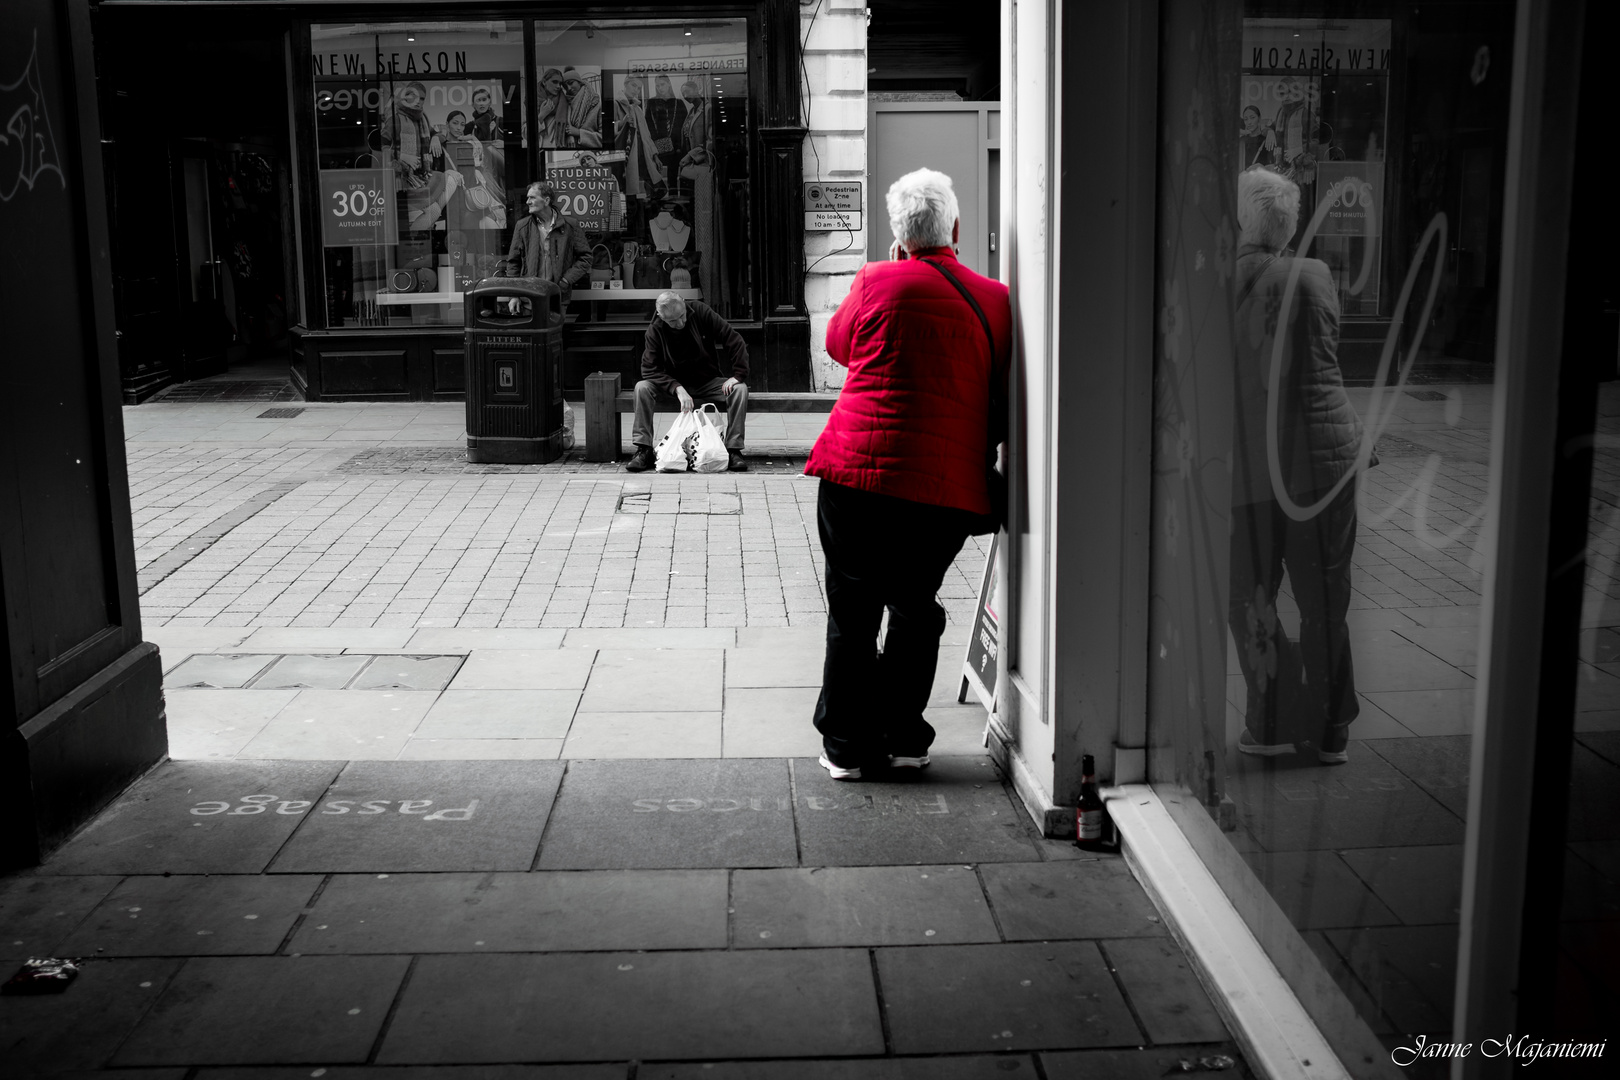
x: 420, y: 143
x: 643, y: 135
x: 1323, y: 438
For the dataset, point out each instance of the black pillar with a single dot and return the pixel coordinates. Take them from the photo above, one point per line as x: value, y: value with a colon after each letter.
x: 779, y: 250
x: 85, y: 693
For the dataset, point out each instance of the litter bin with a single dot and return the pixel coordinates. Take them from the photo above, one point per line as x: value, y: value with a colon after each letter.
x: 514, y: 371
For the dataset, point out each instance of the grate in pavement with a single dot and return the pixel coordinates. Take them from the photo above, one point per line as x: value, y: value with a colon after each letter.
x: 279, y: 414
x: 1426, y: 395
x: 452, y: 461
x: 230, y: 390
x: 675, y: 501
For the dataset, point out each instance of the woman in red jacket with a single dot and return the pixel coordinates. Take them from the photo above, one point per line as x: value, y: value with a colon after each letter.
x: 902, y: 468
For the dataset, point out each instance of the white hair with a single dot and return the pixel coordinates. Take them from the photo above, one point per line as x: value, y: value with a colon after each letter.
x: 668, y: 301
x: 1268, y: 208
x: 923, y: 209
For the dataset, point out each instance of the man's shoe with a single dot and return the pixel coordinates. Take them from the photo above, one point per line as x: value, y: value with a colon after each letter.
x: 1248, y: 745
x: 738, y: 462
x: 908, y: 761
x: 640, y: 461
x: 838, y: 772
x: 1333, y: 757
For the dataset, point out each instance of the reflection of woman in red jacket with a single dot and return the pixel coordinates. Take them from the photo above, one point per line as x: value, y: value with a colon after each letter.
x: 902, y: 467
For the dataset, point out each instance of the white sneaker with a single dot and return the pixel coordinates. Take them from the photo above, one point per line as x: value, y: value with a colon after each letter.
x: 896, y: 761
x: 838, y: 772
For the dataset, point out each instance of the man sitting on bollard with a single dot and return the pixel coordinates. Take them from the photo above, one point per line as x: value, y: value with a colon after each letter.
x: 546, y: 245
x: 680, y: 361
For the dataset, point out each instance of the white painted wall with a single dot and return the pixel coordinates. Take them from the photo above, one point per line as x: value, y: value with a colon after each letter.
x: 834, y: 32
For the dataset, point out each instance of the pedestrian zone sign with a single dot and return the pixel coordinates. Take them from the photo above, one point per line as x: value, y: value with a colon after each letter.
x: 832, y: 207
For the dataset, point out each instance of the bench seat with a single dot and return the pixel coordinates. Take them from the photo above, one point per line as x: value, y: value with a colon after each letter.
x: 604, y: 401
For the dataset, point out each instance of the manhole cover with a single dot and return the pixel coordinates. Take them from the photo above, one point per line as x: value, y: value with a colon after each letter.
x: 680, y: 502
x: 1426, y: 395
x: 279, y: 414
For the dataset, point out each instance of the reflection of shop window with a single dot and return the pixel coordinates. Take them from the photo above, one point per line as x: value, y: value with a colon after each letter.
x: 643, y: 127
x: 420, y: 150
x: 1314, y: 107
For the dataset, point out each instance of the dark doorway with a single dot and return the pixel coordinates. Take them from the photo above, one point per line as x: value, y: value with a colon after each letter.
x: 198, y: 171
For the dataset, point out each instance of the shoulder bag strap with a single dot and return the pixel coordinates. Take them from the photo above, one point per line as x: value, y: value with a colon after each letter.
x: 974, y: 304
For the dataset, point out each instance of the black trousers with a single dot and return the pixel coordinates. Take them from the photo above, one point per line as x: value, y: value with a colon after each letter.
x: 1304, y: 692
x: 881, y: 552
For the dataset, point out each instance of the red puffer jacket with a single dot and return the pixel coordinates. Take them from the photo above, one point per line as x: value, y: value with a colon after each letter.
x: 912, y: 418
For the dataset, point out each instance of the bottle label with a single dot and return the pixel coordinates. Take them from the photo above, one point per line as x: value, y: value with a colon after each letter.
x: 1090, y: 824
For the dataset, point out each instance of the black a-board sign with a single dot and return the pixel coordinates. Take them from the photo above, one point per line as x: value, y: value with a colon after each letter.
x: 979, y: 665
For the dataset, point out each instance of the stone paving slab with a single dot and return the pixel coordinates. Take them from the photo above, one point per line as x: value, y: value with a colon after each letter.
x: 1153, y: 1063
x: 868, y: 905
x: 771, y: 722
x: 438, y: 639
x: 636, y: 637
x: 670, y: 680
x: 481, y: 750
x: 219, y: 723
x: 538, y: 912
x: 1292, y: 805
x: 342, y: 724
x: 1420, y: 884
x: 500, y: 714
x: 1316, y: 890
x: 402, y: 816
x: 1165, y: 993
x: 644, y: 735
x: 312, y: 672
x: 776, y: 666
x: 596, y: 1006
x: 80, y: 1029
x: 217, y: 670
x: 984, y: 998
x: 326, y: 639
x: 525, y: 669
x: 222, y: 915
x: 673, y: 814
x: 616, y: 1071
x: 198, y: 818
x: 408, y: 673
x: 247, y: 1010
x: 37, y: 913
x: 956, y: 810
x: 977, y: 1067
x: 1437, y: 765
x: 1045, y: 901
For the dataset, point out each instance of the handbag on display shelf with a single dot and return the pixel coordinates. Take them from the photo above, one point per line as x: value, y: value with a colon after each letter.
x: 650, y: 272
x: 601, y: 266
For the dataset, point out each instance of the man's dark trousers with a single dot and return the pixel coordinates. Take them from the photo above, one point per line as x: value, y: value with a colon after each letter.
x: 881, y: 552
x: 710, y: 393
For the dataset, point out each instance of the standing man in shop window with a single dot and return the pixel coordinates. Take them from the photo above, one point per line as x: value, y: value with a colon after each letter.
x: 547, y: 245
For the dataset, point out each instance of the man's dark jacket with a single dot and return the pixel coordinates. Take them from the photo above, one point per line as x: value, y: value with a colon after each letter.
x: 700, y: 346
x: 570, y: 254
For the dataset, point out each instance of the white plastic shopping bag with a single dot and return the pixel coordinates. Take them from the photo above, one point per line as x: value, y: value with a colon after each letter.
x: 568, y: 426
x: 677, y: 450
x: 711, y: 453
